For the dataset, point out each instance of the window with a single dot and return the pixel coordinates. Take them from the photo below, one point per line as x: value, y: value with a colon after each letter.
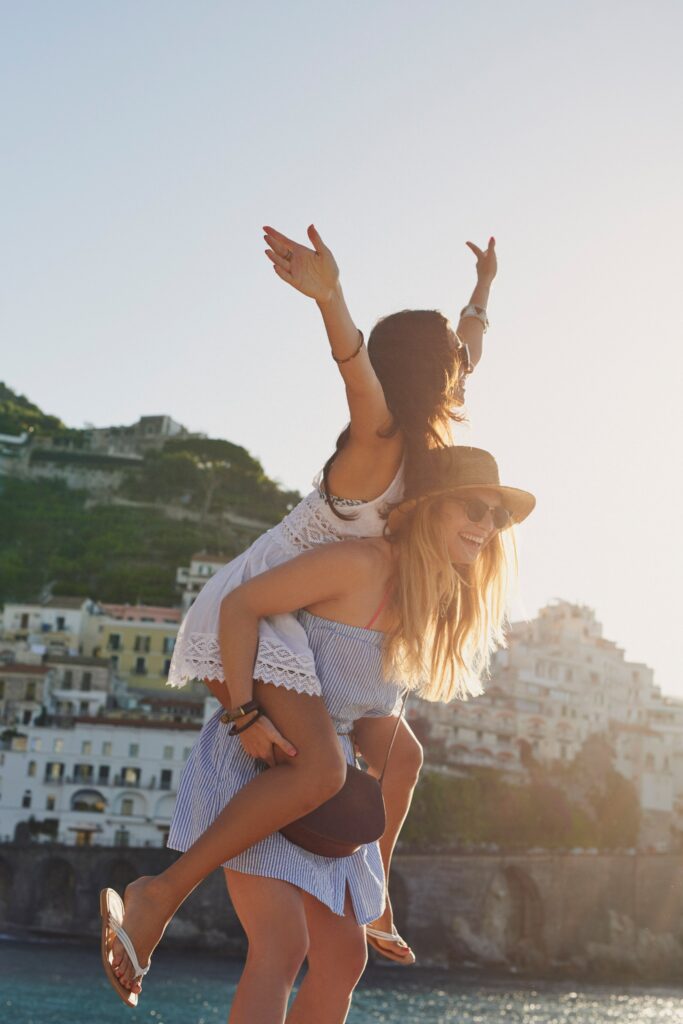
x: 86, y: 747
x: 115, y: 661
x: 186, y: 752
x: 30, y: 691
x: 54, y: 771
x: 140, y: 667
x: 168, y: 753
x: 142, y: 643
x: 31, y: 770
x: 86, y: 681
x: 168, y: 644
x: 58, y: 746
x: 61, y: 623
x: 134, y: 750
x: 50, y: 803
x: 36, y: 743
x: 83, y: 773
x: 83, y: 707
x: 127, y: 805
x: 2, y: 687
x: 167, y: 666
x: 166, y: 778
x: 68, y: 679
x: 103, y: 775
x: 106, y: 748
x: 114, y: 642
x: 26, y: 799
x: 130, y: 777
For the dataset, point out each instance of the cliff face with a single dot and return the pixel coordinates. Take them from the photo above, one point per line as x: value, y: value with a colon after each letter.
x: 602, y: 917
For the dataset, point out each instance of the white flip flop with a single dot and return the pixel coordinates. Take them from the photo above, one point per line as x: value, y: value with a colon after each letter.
x: 111, y: 917
x: 374, y: 934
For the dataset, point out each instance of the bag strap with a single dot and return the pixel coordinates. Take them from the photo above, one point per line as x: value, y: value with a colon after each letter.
x: 393, y: 736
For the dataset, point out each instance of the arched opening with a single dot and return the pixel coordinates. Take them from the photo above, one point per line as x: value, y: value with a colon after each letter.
x: 90, y: 800
x: 513, y: 917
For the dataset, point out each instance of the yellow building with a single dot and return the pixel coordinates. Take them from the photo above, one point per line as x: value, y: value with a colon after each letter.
x: 138, y: 640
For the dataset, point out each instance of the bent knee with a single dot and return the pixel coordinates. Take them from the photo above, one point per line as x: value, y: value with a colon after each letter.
x: 344, y: 965
x: 284, y: 957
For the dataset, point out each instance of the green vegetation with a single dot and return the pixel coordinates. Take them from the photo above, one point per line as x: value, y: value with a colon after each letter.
x: 83, y: 545
x: 17, y: 415
x: 48, y: 535
x: 587, y: 803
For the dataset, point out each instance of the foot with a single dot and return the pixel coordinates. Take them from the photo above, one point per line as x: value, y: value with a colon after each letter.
x: 147, y: 911
x: 395, y: 948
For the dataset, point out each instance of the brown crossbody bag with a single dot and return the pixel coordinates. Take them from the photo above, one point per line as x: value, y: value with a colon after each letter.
x: 352, y: 817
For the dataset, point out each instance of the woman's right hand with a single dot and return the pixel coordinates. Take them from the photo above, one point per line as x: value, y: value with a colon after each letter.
x: 261, y: 740
x: 313, y: 272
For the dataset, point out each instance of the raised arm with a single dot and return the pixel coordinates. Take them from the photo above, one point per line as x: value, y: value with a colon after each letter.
x: 368, y: 460
x: 471, y: 329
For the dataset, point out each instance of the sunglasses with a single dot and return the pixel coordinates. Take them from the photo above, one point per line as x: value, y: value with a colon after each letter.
x: 476, y: 509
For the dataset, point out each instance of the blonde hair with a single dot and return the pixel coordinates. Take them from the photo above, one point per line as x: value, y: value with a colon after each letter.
x: 448, y: 620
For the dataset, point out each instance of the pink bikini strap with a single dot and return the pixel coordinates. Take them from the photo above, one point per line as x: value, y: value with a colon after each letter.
x: 380, y: 609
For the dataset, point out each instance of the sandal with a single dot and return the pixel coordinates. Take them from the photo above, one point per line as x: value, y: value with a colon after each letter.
x: 374, y: 937
x: 111, y: 916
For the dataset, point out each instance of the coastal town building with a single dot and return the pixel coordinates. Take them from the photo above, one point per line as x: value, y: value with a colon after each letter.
x: 58, y: 625
x: 192, y: 578
x: 138, y: 641
x: 101, y: 781
x: 558, y: 682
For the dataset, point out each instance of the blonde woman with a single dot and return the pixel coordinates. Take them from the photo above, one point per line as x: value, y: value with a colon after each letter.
x: 402, y: 390
x: 422, y: 607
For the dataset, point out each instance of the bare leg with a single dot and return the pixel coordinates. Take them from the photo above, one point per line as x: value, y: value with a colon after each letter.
x: 263, y: 806
x: 372, y: 736
x: 273, y: 917
x: 337, y: 955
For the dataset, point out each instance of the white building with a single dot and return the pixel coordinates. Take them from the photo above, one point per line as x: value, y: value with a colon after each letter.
x: 192, y: 578
x: 559, y: 682
x: 58, y: 625
x: 109, y: 782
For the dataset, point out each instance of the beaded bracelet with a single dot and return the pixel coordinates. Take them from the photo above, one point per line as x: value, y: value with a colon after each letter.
x: 353, y: 355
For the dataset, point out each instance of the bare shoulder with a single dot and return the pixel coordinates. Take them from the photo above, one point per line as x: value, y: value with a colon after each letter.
x: 358, y: 557
x: 364, y: 471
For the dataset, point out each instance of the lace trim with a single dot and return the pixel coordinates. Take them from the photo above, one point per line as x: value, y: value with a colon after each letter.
x: 306, y: 526
x: 277, y: 665
x: 201, y: 660
x: 274, y: 664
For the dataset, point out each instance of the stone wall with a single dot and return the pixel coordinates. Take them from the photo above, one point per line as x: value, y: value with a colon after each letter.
x: 603, y: 916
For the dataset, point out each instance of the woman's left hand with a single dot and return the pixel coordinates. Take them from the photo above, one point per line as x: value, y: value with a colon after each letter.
x: 487, y: 264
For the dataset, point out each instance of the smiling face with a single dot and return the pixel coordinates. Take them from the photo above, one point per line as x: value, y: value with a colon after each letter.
x: 466, y: 540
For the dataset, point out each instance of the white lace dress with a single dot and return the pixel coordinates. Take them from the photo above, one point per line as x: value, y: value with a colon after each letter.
x: 284, y: 657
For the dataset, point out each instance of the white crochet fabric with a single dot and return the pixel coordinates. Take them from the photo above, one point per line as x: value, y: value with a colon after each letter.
x: 284, y: 657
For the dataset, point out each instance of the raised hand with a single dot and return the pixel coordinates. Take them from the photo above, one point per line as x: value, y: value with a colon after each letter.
x: 487, y: 264
x: 313, y: 272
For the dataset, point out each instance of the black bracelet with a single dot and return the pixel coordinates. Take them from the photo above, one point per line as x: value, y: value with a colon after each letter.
x: 234, y: 731
x: 235, y: 713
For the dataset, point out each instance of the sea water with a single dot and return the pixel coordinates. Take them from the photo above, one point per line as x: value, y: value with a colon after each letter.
x: 63, y: 983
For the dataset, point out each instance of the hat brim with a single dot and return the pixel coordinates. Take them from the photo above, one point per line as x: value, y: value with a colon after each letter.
x: 520, y: 503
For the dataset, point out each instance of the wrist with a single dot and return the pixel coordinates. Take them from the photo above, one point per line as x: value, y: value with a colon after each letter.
x: 334, y: 299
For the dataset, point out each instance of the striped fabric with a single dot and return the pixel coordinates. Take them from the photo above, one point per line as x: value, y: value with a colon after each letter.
x: 348, y: 661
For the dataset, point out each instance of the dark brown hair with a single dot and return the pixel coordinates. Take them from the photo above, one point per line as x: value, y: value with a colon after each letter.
x: 422, y: 373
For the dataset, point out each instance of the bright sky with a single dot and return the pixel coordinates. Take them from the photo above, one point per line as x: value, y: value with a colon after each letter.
x: 145, y: 143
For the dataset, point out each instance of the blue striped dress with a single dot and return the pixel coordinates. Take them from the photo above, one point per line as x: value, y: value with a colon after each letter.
x: 348, y: 662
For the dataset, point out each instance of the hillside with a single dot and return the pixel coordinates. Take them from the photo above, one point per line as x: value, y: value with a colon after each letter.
x: 190, y: 494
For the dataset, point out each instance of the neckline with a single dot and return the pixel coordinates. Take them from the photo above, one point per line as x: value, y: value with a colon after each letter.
x: 344, y: 627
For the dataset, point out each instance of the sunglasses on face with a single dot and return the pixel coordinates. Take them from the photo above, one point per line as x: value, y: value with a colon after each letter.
x: 476, y: 509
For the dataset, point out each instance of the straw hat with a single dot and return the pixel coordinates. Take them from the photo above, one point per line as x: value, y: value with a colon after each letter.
x: 460, y: 469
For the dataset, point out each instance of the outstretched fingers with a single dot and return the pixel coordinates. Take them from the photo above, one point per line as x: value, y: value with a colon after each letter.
x: 280, y: 261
